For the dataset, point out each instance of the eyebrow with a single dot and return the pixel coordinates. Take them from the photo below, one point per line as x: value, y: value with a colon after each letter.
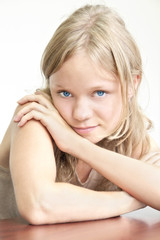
x: 111, y: 81
x: 58, y: 85
x: 92, y: 88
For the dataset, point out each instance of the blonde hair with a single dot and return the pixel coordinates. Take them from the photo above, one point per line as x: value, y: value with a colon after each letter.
x: 101, y: 33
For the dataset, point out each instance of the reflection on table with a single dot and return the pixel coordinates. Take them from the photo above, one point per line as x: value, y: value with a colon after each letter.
x: 138, y: 225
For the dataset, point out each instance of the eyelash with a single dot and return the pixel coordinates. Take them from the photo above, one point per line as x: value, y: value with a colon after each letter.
x: 101, y: 92
x: 67, y: 94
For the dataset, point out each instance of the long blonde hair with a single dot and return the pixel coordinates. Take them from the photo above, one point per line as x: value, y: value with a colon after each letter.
x: 101, y: 33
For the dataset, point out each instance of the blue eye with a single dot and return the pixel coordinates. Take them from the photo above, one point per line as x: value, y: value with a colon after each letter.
x: 100, y: 93
x: 65, y: 94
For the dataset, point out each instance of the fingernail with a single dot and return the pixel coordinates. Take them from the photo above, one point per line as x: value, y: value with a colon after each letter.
x: 19, y: 101
x: 16, y: 118
x: 19, y: 124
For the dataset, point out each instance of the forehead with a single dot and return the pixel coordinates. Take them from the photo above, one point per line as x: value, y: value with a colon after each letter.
x: 81, y: 68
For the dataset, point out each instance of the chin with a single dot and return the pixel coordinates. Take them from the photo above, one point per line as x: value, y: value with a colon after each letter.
x: 95, y: 140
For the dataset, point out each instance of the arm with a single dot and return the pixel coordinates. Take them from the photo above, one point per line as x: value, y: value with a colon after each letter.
x: 40, y: 199
x: 135, y: 177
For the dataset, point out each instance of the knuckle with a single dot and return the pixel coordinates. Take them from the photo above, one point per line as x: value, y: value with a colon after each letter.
x: 32, y: 113
x: 33, y: 105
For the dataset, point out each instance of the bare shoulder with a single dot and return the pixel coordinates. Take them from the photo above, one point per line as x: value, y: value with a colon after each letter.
x: 30, y: 137
x: 32, y: 130
x: 31, y: 148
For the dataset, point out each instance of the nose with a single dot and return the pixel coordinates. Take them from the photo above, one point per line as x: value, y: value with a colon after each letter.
x: 82, y: 110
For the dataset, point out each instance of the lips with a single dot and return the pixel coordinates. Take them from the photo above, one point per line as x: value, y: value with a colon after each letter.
x: 84, y: 130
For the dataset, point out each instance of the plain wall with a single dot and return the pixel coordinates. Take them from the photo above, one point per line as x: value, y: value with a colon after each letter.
x: 26, y: 26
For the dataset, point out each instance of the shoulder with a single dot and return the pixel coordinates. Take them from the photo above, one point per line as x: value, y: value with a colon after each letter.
x: 31, y: 125
x: 32, y: 131
x: 31, y: 144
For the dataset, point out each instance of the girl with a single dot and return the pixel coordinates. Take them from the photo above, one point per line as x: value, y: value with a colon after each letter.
x: 79, y: 149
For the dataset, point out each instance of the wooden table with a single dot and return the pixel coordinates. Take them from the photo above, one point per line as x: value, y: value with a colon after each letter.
x: 138, y: 225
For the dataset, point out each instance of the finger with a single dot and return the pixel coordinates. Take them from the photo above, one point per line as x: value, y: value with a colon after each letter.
x: 29, y: 116
x: 45, y: 95
x: 39, y: 92
x: 30, y: 107
x: 27, y: 98
x: 36, y: 98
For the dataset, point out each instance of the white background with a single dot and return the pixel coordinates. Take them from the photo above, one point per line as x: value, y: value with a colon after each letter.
x: 26, y: 26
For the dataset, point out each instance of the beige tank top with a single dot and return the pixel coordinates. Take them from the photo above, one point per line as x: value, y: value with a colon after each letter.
x: 8, y: 207
x: 95, y: 181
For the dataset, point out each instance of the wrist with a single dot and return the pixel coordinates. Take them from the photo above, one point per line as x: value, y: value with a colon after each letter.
x: 84, y: 149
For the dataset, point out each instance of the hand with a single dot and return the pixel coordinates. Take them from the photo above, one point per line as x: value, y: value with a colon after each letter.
x: 40, y: 107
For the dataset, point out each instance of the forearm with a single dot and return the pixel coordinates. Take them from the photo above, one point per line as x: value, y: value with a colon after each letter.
x: 133, y: 176
x: 63, y: 202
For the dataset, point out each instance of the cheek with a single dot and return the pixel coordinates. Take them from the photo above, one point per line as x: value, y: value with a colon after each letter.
x: 66, y: 114
x: 63, y: 109
x: 111, y: 111
x: 117, y: 112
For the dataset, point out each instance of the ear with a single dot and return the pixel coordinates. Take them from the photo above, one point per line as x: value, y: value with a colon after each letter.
x: 135, y: 85
x: 136, y: 81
